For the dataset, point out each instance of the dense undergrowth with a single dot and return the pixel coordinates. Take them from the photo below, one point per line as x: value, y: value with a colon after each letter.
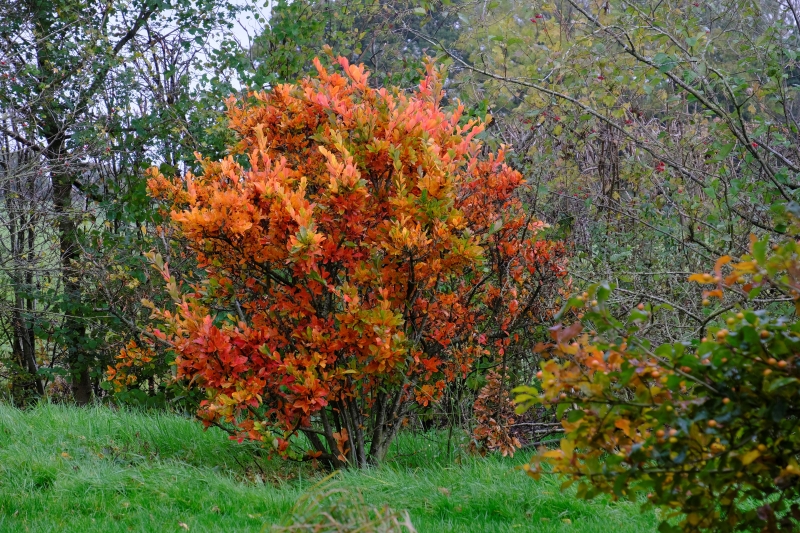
x: 97, y: 469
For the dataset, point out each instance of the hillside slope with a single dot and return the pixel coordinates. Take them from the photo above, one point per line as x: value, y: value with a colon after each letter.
x: 103, y: 470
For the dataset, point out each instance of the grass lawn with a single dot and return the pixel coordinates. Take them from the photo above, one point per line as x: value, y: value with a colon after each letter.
x: 97, y: 469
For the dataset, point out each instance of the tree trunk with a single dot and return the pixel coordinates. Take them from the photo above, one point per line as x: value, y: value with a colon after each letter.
x: 74, y: 327
x: 28, y: 384
x: 368, y: 439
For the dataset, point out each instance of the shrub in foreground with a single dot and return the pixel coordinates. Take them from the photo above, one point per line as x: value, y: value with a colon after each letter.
x: 360, y: 252
x: 706, y: 430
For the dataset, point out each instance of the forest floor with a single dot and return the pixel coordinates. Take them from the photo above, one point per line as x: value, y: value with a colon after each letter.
x: 102, y: 470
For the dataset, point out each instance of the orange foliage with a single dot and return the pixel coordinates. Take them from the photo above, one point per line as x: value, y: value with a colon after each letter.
x: 362, y: 252
x: 133, y: 356
x: 494, y: 417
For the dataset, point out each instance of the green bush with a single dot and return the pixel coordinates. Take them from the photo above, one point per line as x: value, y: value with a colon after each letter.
x: 706, y: 430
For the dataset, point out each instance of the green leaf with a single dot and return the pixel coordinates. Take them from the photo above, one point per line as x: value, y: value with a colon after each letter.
x: 780, y: 383
x: 664, y: 62
x: 314, y: 275
x: 723, y: 152
x: 575, y: 415
x: 603, y: 292
x: 760, y: 249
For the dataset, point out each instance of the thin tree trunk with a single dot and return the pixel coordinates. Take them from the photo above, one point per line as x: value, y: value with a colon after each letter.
x: 28, y: 385
x: 334, y: 451
x: 357, y: 437
x: 74, y: 327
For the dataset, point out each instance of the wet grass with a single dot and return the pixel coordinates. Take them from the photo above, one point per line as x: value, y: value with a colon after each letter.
x: 103, y: 470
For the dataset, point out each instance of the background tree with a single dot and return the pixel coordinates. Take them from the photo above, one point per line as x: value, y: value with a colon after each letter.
x: 660, y: 135
x: 375, y: 33
x: 89, y: 93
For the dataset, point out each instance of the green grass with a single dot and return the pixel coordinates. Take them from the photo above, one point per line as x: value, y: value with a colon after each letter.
x: 97, y: 469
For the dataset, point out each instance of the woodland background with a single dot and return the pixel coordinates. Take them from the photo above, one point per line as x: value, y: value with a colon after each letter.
x: 652, y: 143
x: 654, y: 136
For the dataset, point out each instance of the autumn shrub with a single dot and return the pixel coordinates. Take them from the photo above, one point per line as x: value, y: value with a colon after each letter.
x: 493, y: 412
x: 361, y: 251
x: 706, y: 430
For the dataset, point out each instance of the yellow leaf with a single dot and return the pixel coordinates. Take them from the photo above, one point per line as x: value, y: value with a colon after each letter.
x: 745, y: 266
x: 750, y: 456
x: 571, y: 349
x: 568, y: 447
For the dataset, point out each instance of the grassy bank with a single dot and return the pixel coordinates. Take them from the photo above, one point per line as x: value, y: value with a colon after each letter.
x: 96, y: 469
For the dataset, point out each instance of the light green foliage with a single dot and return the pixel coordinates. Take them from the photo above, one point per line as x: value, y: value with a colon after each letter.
x: 659, y: 135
